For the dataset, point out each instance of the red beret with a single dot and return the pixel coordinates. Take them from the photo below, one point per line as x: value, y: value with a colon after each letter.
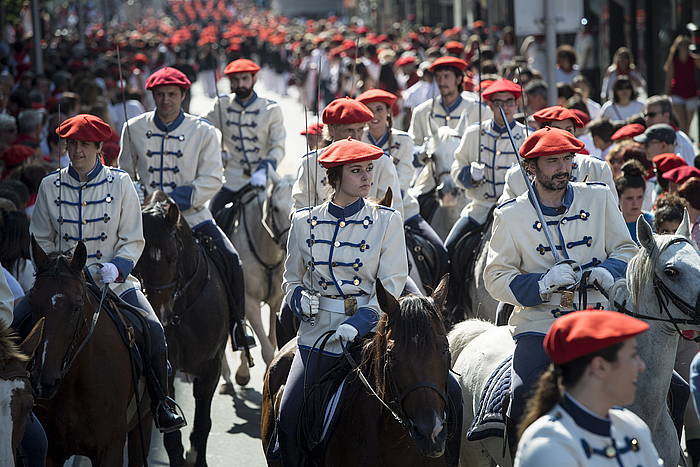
x: 583, y: 116
x: 348, y: 150
x: 346, y: 110
x: 406, y: 60
x: 628, y: 131
x: 377, y: 95
x: 549, y: 141
x: 313, y: 129
x: 454, y: 62
x: 502, y: 85
x: 85, y: 127
x: 140, y: 58
x: 667, y: 161
x: 454, y: 46
x: 585, y: 332
x: 168, y: 76
x: 556, y: 113
x: 242, y: 65
x: 16, y: 154
x: 681, y: 174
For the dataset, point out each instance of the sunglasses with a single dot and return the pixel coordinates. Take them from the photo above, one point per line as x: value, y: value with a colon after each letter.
x: 651, y: 114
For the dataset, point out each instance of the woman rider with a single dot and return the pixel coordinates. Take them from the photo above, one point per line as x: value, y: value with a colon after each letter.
x: 98, y: 205
x: 399, y: 145
x: 335, y: 253
x: 575, y: 417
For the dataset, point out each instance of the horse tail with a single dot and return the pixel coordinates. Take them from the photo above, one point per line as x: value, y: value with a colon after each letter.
x: 465, y: 332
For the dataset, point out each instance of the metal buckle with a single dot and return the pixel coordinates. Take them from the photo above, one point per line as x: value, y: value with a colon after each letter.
x: 567, y: 299
x: 350, y: 306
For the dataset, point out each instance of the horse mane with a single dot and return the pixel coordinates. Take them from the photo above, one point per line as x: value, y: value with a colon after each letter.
x: 157, y: 204
x: 411, y: 330
x: 9, y: 351
x: 640, y: 269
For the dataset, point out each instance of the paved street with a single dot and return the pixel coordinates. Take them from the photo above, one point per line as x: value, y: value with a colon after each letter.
x: 234, y: 438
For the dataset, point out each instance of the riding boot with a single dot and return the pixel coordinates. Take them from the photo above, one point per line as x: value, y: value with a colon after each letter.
x: 693, y: 448
x: 678, y: 394
x: 22, y: 321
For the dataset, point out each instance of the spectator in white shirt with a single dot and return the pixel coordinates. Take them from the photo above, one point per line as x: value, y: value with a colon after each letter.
x: 659, y: 109
x: 624, y: 103
x: 567, y: 69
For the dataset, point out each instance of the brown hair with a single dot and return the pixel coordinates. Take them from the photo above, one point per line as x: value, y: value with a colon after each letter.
x: 548, y: 388
x: 690, y: 191
x: 334, y: 176
x: 632, y: 176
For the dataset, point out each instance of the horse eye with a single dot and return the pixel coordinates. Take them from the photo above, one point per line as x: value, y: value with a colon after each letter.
x: 671, y: 272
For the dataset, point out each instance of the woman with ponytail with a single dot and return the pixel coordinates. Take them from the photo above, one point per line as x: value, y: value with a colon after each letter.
x: 631, y: 186
x: 574, y: 418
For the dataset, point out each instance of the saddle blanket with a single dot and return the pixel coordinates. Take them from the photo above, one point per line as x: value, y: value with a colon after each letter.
x: 489, y: 420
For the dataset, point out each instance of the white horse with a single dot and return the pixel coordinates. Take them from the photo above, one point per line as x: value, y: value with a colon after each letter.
x: 668, y: 265
x: 260, y: 237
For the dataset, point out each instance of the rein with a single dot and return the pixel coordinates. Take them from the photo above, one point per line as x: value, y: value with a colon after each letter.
x: 664, y: 297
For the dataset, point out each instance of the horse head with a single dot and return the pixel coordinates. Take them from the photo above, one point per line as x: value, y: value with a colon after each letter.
x: 160, y: 266
x: 16, y: 398
x: 277, y: 207
x: 671, y: 264
x: 442, y: 146
x: 59, y: 296
x: 411, y: 361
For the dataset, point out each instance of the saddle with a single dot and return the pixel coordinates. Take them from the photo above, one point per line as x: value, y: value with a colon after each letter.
x: 490, y: 418
x: 227, y: 216
x: 464, y: 258
x: 430, y: 263
x: 130, y: 322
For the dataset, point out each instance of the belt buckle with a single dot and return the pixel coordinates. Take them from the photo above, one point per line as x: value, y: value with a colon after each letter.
x: 567, y: 299
x: 350, y: 306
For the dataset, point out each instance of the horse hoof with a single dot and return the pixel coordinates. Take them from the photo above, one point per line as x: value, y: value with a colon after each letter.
x: 242, y: 380
x: 191, y: 458
x: 227, y: 388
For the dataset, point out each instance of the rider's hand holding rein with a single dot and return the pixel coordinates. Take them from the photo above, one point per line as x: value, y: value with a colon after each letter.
x: 345, y: 333
x: 559, y: 276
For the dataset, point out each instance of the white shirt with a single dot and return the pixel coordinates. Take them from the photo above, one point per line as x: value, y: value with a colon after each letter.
x: 621, y: 112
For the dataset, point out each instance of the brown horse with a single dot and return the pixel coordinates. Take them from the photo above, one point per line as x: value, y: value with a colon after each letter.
x: 407, y: 363
x: 185, y: 289
x: 16, y: 399
x: 84, y: 382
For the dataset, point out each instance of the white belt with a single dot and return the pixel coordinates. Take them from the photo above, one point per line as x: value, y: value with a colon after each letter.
x: 337, y: 305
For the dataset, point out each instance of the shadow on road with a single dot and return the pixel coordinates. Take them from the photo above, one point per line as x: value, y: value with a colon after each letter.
x: 247, y: 403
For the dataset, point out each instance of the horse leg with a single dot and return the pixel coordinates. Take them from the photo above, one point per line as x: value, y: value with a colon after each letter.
x: 227, y: 387
x: 203, y: 389
x: 243, y: 372
x: 139, y: 446
x: 275, y: 304
x: 111, y: 456
x: 173, y: 441
x: 254, y: 315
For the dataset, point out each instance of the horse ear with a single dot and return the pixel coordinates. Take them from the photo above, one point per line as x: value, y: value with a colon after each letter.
x: 645, y: 234
x: 387, y: 302
x: 79, y: 257
x: 439, y: 295
x: 388, y: 198
x: 173, y: 214
x: 31, y: 342
x: 40, y: 257
x: 684, y: 228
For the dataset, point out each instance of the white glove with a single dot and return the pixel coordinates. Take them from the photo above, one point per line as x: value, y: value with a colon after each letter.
x: 108, y: 273
x: 345, y: 333
x: 259, y: 178
x: 603, y: 276
x: 476, y: 170
x: 560, y: 275
x: 140, y: 191
x: 309, y: 304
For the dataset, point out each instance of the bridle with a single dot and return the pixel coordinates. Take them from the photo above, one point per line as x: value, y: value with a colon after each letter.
x: 665, y: 296
x: 76, y: 346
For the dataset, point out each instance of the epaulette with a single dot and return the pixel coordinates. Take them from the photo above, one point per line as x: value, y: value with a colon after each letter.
x: 386, y: 208
x: 505, y: 203
x: 309, y: 153
x: 115, y: 169
x: 202, y: 119
x: 308, y: 208
x: 596, y: 183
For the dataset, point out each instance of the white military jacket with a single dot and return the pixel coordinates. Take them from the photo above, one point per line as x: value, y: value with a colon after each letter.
x: 340, y: 253
x: 496, y: 154
x: 583, y: 168
x: 572, y: 436
x: 431, y: 115
x: 399, y: 146
x: 182, y: 159
x: 253, y: 134
x: 588, y: 228
x: 385, y: 176
x: 104, y: 212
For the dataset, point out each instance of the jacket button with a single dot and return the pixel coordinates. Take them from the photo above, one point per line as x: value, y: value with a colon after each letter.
x: 84, y: 221
x: 356, y: 282
x: 342, y: 223
x: 563, y: 221
x: 336, y: 244
x: 84, y: 203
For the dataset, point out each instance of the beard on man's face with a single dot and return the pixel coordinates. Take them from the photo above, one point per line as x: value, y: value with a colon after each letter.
x: 556, y: 182
x: 243, y: 92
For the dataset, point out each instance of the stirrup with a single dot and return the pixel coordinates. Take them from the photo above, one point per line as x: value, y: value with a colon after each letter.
x: 170, y: 404
x: 249, y: 339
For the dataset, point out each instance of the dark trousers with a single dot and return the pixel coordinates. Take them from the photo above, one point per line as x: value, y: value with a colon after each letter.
x: 441, y: 267
x: 462, y: 227
x: 33, y: 447
x: 222, y: 198
x: 316, y: 365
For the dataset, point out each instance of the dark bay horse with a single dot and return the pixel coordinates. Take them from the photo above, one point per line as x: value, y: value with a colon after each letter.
x: 83, y: 380
x: 406, y: 363
x: 185, y: 289
x: 16, y: 399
